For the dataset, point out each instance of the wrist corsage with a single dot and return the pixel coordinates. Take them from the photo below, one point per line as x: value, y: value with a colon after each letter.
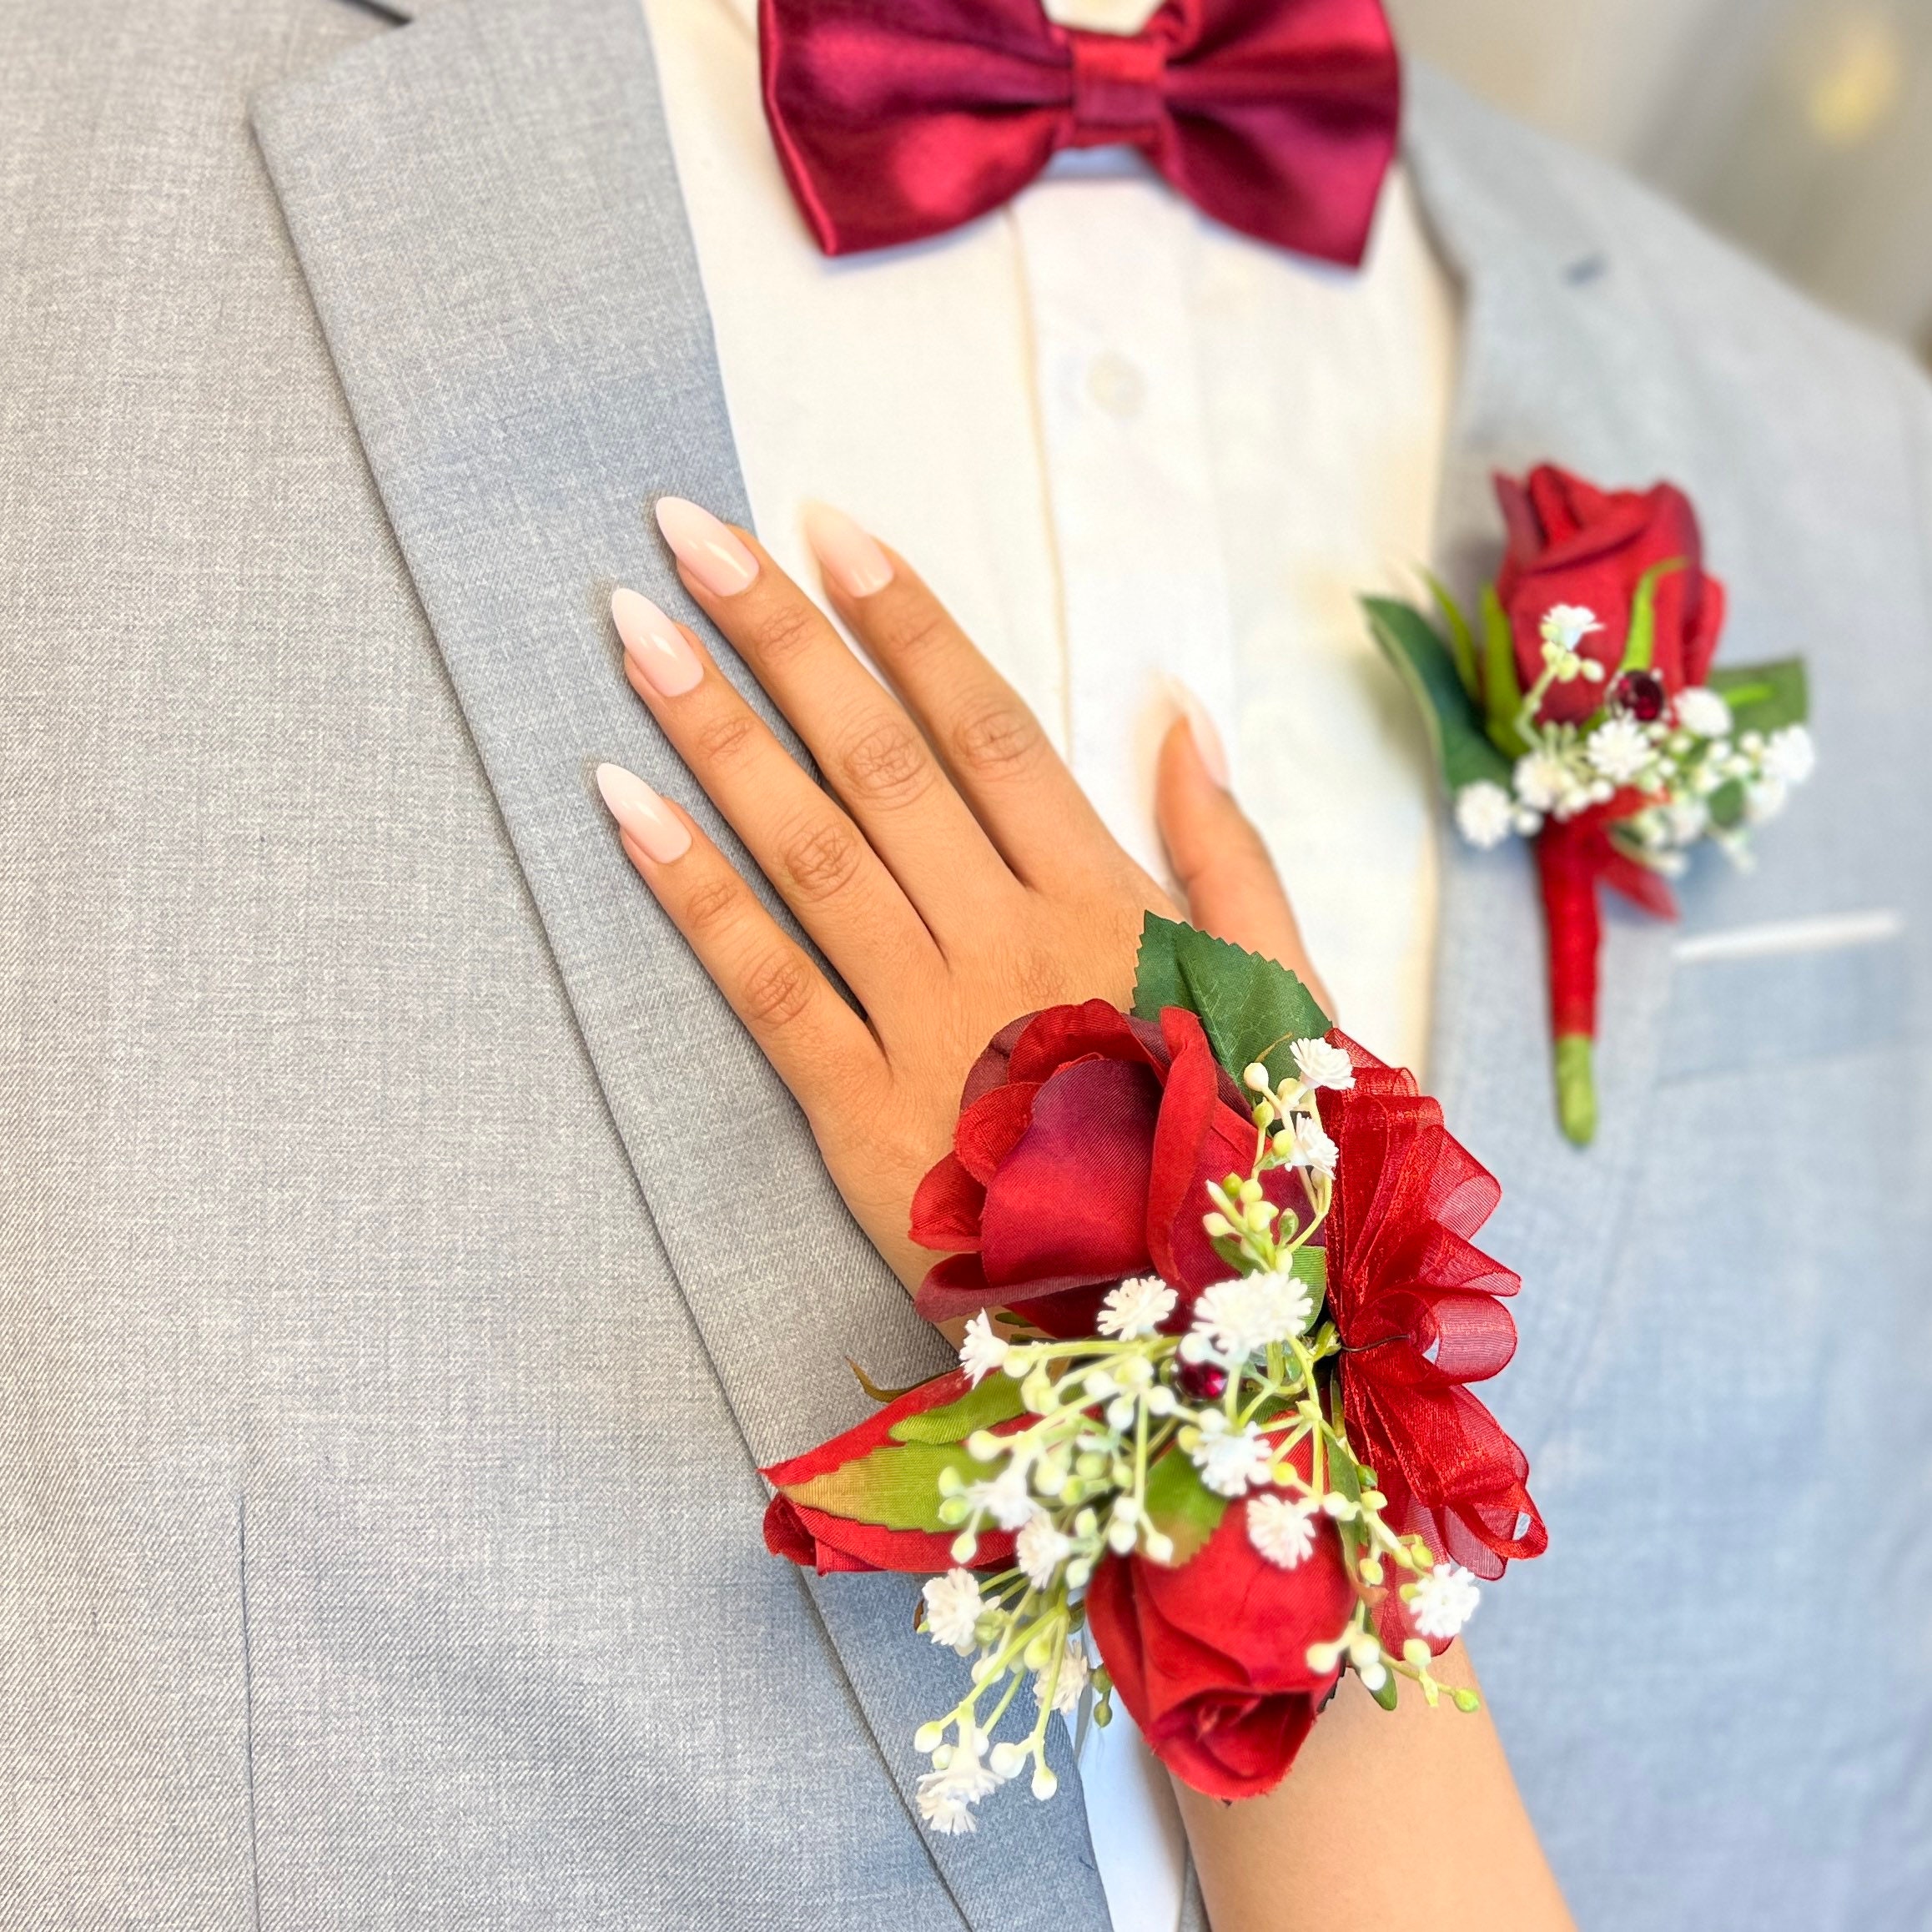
x: 1212, y: 1441
x: 1585, y: 713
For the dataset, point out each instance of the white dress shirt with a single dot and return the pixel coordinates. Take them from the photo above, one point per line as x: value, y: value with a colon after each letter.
x: 1126, y: 446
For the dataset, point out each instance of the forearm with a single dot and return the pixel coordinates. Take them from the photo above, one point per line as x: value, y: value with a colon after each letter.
x: 1388, y: 1818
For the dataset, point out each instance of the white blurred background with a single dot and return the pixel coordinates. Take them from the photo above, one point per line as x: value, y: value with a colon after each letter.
x: 1802, y: 127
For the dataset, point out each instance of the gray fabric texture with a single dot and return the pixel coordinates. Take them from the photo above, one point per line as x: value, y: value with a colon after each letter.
x: 511, y: 156
x: 376, y: 1548
x: 368, y: 1331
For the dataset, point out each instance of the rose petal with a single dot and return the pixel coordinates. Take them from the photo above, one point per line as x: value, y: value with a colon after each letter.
x: 946, y: 1208
x: 814, y: 1539
x: 1210, y: 1657
x: 872, y: 1433
x: 955, y: 1286
x: 1701, y: 644
x: 989, y: 1070
x: 1188, y: 1106
x: 1061, y: 1034
x: 990, y: 1129
x: 1067, y: 1205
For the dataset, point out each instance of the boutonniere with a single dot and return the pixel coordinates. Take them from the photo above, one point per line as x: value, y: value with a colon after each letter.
x: 1584, y: 711
x: 1220, y: 1446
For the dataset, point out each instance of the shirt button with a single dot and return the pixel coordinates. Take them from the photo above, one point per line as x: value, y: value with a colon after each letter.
x: 1116, y: 385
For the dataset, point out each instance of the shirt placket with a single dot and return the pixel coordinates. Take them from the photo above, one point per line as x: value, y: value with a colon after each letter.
x: 1123, y: 428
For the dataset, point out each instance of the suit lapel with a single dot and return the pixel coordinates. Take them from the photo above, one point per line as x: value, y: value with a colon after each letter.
x: 1528, y: 266
x: 487, y: 213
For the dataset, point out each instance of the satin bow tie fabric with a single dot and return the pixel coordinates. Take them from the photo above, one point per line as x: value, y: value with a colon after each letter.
x: 897, y: 119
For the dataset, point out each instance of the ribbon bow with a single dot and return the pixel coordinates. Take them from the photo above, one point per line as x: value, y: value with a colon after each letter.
x: 897, y: 119
x: 1419, y: 1309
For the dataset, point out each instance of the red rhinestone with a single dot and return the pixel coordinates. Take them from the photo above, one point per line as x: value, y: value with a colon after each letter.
x: 1203, y: 1382
x: 1640, y: 693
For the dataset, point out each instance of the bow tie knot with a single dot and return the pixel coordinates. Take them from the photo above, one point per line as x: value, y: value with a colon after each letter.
x: 1120, y: 94
x: 897, y: 119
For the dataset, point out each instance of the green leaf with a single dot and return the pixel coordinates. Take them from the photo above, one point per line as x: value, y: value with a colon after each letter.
x: 1182, y: 1506
x: 1250, y: 1008
x: 1503, y: 694
x: 1640, y: 640
x: 1461, y: 639
x: 896, y: 1488
x: 1727, y: 804
x: 1311, y: 1266
x: 1410, y: 643
x: 1385, y: 1697
x: 1342, y: 1474
x: 995, y: 1401
x: 1764, y: 698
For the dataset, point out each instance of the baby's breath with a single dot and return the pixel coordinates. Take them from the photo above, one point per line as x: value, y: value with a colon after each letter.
x: 1679, y: 762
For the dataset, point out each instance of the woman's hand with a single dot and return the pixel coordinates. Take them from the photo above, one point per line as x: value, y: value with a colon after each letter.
x: 954, y: 876
x: 956, y: 879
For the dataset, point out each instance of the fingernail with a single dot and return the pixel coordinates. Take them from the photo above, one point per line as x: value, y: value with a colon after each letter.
x: 1207, y: 741
x: 643, y: 814
x: 846, y: 552
x: 654, y: 644
x: 706, y: 548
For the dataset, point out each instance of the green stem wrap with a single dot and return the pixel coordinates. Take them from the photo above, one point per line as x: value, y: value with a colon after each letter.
x: 1575, y: 1088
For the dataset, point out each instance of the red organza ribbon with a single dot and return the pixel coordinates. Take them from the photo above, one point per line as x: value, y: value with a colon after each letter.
x: 896, y: 122
x: 1417, y: 1305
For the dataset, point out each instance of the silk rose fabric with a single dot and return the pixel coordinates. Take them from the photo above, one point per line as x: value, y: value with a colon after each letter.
x: 1571, y: 543
x: 1211, y: 1658
x: 1085, y: 1142
x: 895, y: 119
x: 823, y: 1539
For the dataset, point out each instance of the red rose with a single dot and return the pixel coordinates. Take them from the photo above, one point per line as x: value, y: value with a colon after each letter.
x: 1416, y: 1303
x: 1211, y: 1657
x: 825, y: 1540
x: 1571, y: 543
x: 1085, y: 1142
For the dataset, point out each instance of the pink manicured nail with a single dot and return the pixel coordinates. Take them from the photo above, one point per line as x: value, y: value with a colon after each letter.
x: 706, y: 547
x: 654, y: 644
x: 845, y: 552
x: 643, y: 814
x: 1207, y: 741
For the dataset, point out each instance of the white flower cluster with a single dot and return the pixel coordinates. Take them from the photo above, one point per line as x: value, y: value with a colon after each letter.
x: 1701, y: 777
x: 1282, y: 1528
x: 1443, y: 1601
x: 1237, y: 1319
x: 959, y: 1779
x: 1564, y: 627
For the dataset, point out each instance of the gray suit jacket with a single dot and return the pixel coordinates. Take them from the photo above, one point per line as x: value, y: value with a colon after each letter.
x: 388, y: 1348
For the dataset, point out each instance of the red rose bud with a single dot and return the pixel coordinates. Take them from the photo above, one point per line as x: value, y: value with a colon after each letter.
x: 1082, y: 1157
x: 1571, y: 543
x: 821, y: 1517
x: 1211, y: 1657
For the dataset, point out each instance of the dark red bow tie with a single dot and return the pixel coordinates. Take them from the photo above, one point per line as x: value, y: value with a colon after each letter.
x: 899, y: 118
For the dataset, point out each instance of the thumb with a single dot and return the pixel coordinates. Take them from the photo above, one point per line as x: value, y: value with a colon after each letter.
x: 1233, y: 890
